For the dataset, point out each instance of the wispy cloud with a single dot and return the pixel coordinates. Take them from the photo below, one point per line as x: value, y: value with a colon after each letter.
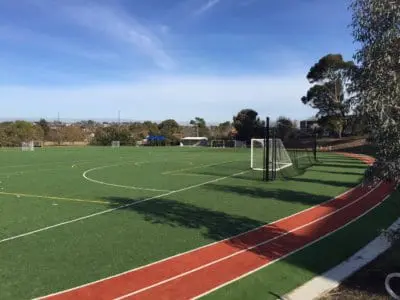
x: 121, y: 27
x: 268, y: 95
x: 57, y: 44
x: 206, y: 7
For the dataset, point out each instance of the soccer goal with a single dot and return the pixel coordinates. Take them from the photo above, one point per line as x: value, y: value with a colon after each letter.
x: 194, y: 142
x: 28, y: 146
x: 277, y: 155
x: 235, y: 144
x: 217, y: 144
x: 115, y: 144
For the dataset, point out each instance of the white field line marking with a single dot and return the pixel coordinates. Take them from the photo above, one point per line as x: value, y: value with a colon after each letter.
x: 191, y: 175
x: 198, y: 167
x: 202, y: 247
x: 85, y: 175
x: 277, y: 169
x: 245, y: 250
x: 54, y: 198
x: 205, y: 246
x: 293, y: 252
x: 77, y: 163
x: 117, y: 208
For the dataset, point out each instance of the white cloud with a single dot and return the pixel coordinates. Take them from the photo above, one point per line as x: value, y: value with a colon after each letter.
x: 207, y: 6
x: 215, y: 98
x: 123, y: 28
x: 58, y: 44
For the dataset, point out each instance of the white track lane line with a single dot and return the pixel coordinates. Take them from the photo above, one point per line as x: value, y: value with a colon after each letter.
x: 117, y: 208
x: 205, y: 246
x: 198, y: 167
x: 246, y: 249
x: 290, y: 253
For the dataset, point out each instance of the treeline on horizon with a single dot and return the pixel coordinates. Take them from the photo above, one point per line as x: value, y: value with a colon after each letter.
x: 244, y: 126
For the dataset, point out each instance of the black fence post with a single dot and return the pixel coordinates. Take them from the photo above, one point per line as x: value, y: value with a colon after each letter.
x: 274, y: 154
x: 315, y: 146
x: 266, y: 151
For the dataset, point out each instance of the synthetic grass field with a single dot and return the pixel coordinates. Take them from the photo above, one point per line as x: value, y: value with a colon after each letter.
x: 59, y: 227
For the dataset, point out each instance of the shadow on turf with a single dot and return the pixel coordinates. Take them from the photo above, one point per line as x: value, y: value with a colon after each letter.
x: 324, y: 182
x: 277, y: 194
x: 263, y: 241
x: 345, y: 166
x: 217, y: 225
x: 339, y: 172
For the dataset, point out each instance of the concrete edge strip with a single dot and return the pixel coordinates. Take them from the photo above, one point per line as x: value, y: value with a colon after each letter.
x: 331, y: 279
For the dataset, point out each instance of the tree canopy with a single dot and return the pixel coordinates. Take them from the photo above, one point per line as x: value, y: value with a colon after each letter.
x: 201, y: 127
x: 14, y: 133
x: 105, y: 136
x: 45, y: 126
x: 376, y: 26
x: 284, y: 127
x: 330, y: 94
x: 248, y: 125
x: 170, y: 129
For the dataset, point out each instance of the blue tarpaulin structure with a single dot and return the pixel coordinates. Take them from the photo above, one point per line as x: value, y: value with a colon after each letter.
x: 155, y: 138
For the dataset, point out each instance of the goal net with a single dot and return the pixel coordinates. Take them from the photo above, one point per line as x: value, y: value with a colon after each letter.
x: 115, y: 144
x: 194, y: 142
x: 28, y: 146
x: 234, y: 144
x: 240, y: 144
x: 217, y: 144
x: 277, y: 155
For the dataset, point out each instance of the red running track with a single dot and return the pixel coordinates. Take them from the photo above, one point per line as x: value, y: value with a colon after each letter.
x: 200, y: 271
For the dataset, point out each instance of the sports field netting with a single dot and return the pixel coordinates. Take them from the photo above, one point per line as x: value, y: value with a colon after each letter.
x: 280, y: 157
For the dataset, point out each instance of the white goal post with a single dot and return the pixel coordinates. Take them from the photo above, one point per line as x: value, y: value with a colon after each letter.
x: 257, y: 155
x: 194, y: 142
x: 28, y: 146
x: 115, y: 144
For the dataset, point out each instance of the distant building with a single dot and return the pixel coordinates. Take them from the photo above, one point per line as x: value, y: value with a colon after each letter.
x: 350, y: 126
x: 309, y: 124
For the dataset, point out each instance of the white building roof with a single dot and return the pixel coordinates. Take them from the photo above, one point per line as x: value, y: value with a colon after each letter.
x: 195, y: 138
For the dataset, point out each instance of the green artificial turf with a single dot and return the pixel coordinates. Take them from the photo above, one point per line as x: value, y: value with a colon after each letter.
x: 200, y: 203
x: 283, y: 276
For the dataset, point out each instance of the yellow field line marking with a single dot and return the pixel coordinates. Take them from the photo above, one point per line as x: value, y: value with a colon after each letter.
x: 198, y: 167
x: 99, y: 213
x: 54, y: 198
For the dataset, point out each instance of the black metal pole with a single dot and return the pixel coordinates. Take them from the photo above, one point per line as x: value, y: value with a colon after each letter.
x: 266, y: 145
x: 315, y: 146
x: 274, y: 154
x: 264, y: 153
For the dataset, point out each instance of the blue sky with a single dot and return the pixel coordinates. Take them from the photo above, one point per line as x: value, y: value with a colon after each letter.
x: 159, y: 59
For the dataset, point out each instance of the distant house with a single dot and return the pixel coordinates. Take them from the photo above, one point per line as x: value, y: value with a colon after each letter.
x: 350, y: 126
x: 309, y: 125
